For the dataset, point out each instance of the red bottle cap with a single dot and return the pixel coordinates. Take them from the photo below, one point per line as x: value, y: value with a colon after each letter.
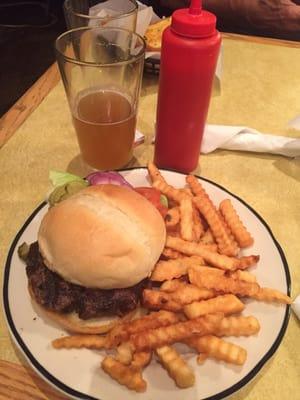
x: 194, y: 22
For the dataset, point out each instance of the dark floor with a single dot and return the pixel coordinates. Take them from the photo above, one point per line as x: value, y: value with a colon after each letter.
x: 28, y: 30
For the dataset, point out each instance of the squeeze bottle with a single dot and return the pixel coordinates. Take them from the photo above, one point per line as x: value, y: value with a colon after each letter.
x: 189, y: 54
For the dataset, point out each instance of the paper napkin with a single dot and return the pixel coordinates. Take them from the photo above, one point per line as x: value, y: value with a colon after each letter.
x: 247, y: 139
x: 241, y: 138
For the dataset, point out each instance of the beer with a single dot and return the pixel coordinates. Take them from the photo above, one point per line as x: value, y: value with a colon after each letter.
x: 105, y: 125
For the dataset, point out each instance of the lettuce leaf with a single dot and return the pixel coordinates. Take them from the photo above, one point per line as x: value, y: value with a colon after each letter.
x: 59, y: 178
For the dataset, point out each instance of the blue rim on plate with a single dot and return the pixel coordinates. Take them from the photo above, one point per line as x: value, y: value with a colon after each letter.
x: 71, y: 392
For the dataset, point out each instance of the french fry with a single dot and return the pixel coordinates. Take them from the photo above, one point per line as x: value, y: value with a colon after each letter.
x: 172, y: 217
x: 124, y: 353
x: 141, y: 359
x: 238, y: 326
x: 186, y: 218
x: 198, y: 228
x: 187, y: 191
x: 125, y: 375
x: 172, y: 285
x: 196, y: 186
x: 155, y: 174
x: 122, y: 332
x: 159, y: 300
x: 207, y: 237
x: 241, y: 234
x: 175, y: 300
x: 203, y: 277
x: 218, y: 348
x: 272, y: 295
x: 81, y: 341
x: 191, y: 248
x: 243, y: 276
x: 189, y: 293
x: 207, y: 209
x: 171, y: 254
x: 154, y: 338
x: 176, y: 366
x: 203, y: 269
x: 247, y: 261
x: 166, y: 270
x: 225, y: 240
x: 201, y: 358
x: 169, y: 191
x: 226, y: 304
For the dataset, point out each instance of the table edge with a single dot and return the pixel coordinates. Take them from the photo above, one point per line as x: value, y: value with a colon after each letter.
x: 26, y: 104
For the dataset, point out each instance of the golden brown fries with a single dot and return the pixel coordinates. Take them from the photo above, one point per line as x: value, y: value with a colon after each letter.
x: 186, y: 218
x: 238, y: 229
x: 243, y: 276
x: 196, y: 290
x: 155, y: 174
x: 171, y: 254
x: 272, y: 295
x: 122, y: 332
x: 157, y: 300
x: 172, y: 217
x: 169, y: 191
x: 201, y: 358
x: 207, y: 237
x: 215, y: 347
x: 154, y: 338
x: 225, y: 244
x: 177, y: 368
x: 226, y: 304
x: 247, y: 261
x: 81, y: 341
x: 124, y: 374
x: 124, y: 353
x: 166, y: 270
x: 238, y: 326
x: 196, y: 186
x: 203, y: 277
x: 196, y: 249
x: 172, y: 285
x: 175, y: 300
x: 141, y: 359
x: 198, y: 228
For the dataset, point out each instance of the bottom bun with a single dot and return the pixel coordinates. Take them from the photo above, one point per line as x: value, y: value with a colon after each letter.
x: 72, y: 323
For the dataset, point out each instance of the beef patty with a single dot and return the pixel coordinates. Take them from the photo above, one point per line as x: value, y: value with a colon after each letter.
x: 54, y: 293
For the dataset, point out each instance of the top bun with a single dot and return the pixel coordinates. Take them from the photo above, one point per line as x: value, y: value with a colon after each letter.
x: 104, y: 236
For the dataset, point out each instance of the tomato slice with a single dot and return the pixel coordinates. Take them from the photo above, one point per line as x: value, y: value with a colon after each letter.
x: 153, y: 195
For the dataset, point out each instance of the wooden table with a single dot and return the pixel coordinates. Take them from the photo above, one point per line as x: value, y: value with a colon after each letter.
x: 260, y: 88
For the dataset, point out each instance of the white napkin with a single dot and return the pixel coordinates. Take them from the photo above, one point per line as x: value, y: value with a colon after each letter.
x: 109, y: 7
x: 296, y: 306
x: 244, y: 139
x: 247, y: 139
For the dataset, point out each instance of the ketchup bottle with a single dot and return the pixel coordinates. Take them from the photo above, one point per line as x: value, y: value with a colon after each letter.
x: 189, y: 54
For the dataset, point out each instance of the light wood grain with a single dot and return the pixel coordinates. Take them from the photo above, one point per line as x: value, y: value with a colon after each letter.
x: 19, y: 383
x: 18, y: 113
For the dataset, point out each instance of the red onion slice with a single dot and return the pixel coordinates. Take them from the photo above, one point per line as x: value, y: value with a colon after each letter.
x: 102, y: 178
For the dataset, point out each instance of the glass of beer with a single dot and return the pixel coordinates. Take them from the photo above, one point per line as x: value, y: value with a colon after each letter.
x: 105, y: 13
x: 102, y: 70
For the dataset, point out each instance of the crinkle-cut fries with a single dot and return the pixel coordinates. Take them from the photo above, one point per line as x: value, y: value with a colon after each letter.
x: 197, y: 299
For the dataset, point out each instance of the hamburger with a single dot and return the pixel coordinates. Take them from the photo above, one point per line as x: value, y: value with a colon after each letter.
x: 93, y: 255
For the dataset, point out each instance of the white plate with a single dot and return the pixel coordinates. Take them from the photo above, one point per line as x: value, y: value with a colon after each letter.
x: 77, y: 373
